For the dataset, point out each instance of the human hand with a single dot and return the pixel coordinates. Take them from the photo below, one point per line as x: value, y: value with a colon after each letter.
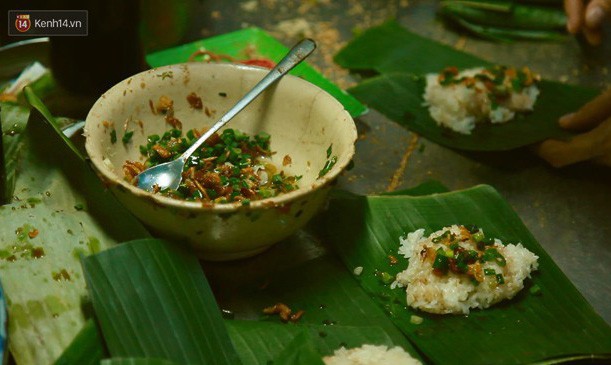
x: 594, y: 145
x: 587, y: 17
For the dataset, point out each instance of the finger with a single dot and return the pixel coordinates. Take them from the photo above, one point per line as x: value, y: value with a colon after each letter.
x: 590, y: 115
x: 591, y: 145
x: 560, y: 154
x: 603, y: 160
x: 596, y: 12
x: 574, y: 12
x: 594, y: 36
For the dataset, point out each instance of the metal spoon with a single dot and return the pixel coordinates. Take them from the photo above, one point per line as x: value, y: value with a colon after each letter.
x: 169, y: 174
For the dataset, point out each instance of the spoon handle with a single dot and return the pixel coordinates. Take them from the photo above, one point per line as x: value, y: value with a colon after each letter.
x: 297, y: 54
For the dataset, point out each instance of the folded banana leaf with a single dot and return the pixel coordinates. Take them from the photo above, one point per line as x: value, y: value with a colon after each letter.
x: 500, y: 34
x: 402, y: 58
x: 505, y: 14
x: 136, y: 361
x: 152, y: 300
x: 259, y: 342
x: 13, y: 119
x: 60, y: 211
x: 533, y: 326
x: 87, y: 348
x: 328, y: 295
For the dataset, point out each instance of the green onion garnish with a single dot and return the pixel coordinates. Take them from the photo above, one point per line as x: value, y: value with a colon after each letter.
x: 441, y: 263
x: 489, y: 272
x: 127, y: 136
x: 535, y: 290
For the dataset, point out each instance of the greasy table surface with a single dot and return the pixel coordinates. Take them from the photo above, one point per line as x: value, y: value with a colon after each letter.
x: 568, y: 210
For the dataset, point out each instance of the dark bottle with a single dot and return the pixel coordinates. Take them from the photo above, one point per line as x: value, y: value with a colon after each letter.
x: 111, y: 52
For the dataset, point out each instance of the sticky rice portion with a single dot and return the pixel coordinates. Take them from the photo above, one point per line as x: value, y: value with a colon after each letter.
x: 460, y: 100
x: 370, y: 355
x: 485, y: 282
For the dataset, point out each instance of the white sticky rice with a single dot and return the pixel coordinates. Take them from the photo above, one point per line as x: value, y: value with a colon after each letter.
x: 459, y: 107
x: 370, y: 355
x: 456, y: 293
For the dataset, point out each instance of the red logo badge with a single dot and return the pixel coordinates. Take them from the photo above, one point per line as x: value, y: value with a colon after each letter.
x: 22, y: 23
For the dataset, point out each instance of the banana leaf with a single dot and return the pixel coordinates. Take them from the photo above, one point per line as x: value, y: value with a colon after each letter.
x: 398, y: 55
x: 61, y: 211
x: 300, y: 351
x: 259, y: 342
x: 86, y: 348
x: 37, y: 104
x: 556, y: 322
x: 507, y: 34
x: 152, y: 300
x: 13, y: 119
x: 325, y: 291
x: 399, y: 97
x: 154, y: 269
x: 136, y: 361
x: 512, y: 16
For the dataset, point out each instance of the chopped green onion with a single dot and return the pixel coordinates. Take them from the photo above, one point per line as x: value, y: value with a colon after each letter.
x: 479, y: 236
x: 500, y: 279
x: 113, y: 136
x: 489, y: 272
x: 535, y: 290
x: 442, y: 262
x: 127, y: 136
x: 386, y: 277
x: 492, y: 254
x: 328, y: 166
x: 414, y: 319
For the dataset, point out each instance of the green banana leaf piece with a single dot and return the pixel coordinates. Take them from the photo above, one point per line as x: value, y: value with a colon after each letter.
x: 513, y: 16
x: 507, y: 34
x: 237, y: 44
x: 398, y: 54
x: 37, y: 104
x: 152, y: 300
x: 390, y: 48
x: 13, y: 119
x: 399, y: 97
x: 531, y: 327
x: 136, y: 361
x: 300, y: 351
x: 61, y: 211
x: 325, y: 291
x: 132, y: 329
x: 86, y: 349
x: 259, y: 342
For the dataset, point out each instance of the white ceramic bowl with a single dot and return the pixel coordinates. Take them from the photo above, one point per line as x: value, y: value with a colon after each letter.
x: 302, y: 119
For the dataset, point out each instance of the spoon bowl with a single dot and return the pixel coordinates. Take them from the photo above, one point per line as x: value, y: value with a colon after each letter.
x: 303, y: 121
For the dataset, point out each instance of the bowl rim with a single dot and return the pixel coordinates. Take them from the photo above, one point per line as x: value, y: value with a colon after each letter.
x: 111, y: 179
